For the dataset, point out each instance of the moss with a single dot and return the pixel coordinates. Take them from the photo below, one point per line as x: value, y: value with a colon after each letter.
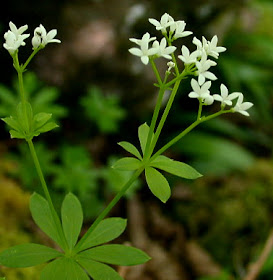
x: 15, y: 220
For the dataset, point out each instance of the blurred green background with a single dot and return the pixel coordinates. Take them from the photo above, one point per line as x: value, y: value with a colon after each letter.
x: 212, y: 228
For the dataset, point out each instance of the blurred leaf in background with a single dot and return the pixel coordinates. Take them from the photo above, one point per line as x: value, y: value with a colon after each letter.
x: 215, y: 155
x: 43, y: 98
x: 76, y: 173
x: 116, y: 179
x: 103, y: 110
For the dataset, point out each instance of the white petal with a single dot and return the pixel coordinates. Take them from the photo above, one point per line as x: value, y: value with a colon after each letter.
x: 136, y: 51
x: 145, y: 59
x: 195, y: 86
x: 224, y: 90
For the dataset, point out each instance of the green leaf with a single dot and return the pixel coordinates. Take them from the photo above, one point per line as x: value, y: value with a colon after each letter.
x: 26, y: 255
x: 175, y: 167
x: 158, y: 184
x: 130, y: 148
x: 98, y: 271
x: 16, y: 134
x: 116, y: 254
x: 40, y: 119
x: 47, y: 127
x: 143, y: 132
x: 72, y: 218
x: 107, y: 230
x: 42, y: 216
x: 63, y: 269
x: 13, y: 123
x: 127, y: 163
x: 24, y: 115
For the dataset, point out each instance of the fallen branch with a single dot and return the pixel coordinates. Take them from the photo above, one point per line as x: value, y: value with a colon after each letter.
x: 256, y: 267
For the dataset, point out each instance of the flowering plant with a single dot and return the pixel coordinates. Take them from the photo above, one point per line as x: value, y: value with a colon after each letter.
x: 89, y: 256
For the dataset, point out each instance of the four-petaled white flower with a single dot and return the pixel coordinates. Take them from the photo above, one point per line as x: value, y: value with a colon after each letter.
x: 212, y: 48
x: 162, y: 49
x: 200, y: 92
x: 178, y: 27
x: 187, y: 57
x: 41, y: 38
x: 241, y: 106
x: 144, y: 52
x: 203, y: 65
x: 225, y: 98
x: 165, y: 22
x: 15, y: 37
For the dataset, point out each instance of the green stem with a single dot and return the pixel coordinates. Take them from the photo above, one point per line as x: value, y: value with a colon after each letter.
x: 175, y: 139
x: 186, y: 131
x: 153, y: 122
x: 164, y: 117
x: 47, y: 195
x: 199, y: 110
x: 108, y: 208
x: 156, y: 72
x: 55, y: 216
x: 30, y: 58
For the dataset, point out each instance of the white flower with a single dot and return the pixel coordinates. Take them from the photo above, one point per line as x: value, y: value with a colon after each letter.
x: 188, y: 58
x: 201, y: 46
x: 179, y: 28
x: 42, y: 38
x: 203, y: 65
x: 165, y: 21
x: 162, y: 49
x: 144, y: 52
x: 241, y: 106
x: 212, y: 49
x: 225, y: 98
x: 200, y: 92
x: 170, y: 65
x: 15, y: 37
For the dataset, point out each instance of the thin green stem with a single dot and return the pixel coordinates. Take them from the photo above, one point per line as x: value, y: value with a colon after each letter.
x: 55, y: 216
x: 164, y: 117
x: 175, y: 139
x: 186, y: 131
x: 105, y: 212
x: 47, y: 195
x: 159, y: 80
x: 153, y: 122
x: 199, y: 110
x: 30, y: 58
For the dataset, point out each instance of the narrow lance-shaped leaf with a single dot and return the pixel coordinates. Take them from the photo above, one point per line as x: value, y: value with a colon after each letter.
x: 13, y: 123
x: 107, y: 230
x: 98, y: 271
x: 25, y: 119
x: 63, y: 269
x: 72, y: 218
x: 174, y: 167
x: 130, y: 148
x: 42, y: 216
x: 26, y: 255
x: 16, y: 134
x: 158, y: 184
x: 143, y: 132
x: 40, y: 119
x: 47, y: 127
x: 127, y: 164
x: 116, y: 254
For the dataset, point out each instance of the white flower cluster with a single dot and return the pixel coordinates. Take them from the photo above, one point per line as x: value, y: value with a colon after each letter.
x: 15, y: 37
x: 150, y: 48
